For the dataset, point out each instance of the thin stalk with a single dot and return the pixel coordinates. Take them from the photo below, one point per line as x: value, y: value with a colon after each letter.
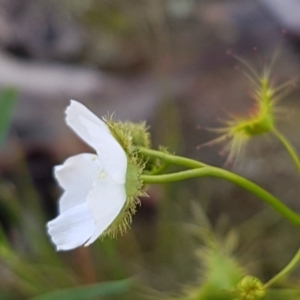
x: 209, y: 171
x: 289, y: 148
x: 285, y: 271
x: 172, y: 159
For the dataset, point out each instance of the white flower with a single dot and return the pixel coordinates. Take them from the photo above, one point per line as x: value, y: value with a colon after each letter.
x: 94, y: 184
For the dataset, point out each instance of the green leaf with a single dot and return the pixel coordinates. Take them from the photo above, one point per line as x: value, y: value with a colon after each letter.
x: 8, y: 100
x: 89, y: 292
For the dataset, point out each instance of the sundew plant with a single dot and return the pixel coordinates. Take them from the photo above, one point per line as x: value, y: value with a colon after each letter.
x: 102, y: 190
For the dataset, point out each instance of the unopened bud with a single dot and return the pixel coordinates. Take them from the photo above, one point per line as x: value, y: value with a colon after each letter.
x: 250, y: 288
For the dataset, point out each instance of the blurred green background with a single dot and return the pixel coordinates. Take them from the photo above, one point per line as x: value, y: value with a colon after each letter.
x: 166, y: 62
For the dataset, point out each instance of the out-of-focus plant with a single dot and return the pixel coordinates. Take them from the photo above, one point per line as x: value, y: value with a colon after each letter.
x: 8, y: 100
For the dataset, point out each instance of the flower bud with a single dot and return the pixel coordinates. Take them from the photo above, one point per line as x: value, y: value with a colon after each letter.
x: 250, y: 288
x: 259, y: 120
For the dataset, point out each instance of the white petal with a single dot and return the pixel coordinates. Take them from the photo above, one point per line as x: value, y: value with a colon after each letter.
x: 96, y: 133
x: 76, y: 110
x: 76, y: 177
x: 110, y: 152
x: 72, y: 228
x: 105, y: 201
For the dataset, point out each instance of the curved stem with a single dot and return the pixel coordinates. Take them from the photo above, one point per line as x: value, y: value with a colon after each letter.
x: 289, y: 148
x: 285, y: 271
x: 234, y: 178
x: 172, y: 159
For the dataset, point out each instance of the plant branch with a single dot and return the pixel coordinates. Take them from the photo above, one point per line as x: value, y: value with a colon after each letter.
x: 172, y: 159
x: 209, y: 171
x: 285, y: 271
x: 289, y: 148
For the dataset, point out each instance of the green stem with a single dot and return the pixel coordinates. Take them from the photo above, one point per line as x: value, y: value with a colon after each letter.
x: 160, y: 169
x: 172, y: 159
x: 289, y: 148
x: 285, y: 271
x: 234, y: 178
